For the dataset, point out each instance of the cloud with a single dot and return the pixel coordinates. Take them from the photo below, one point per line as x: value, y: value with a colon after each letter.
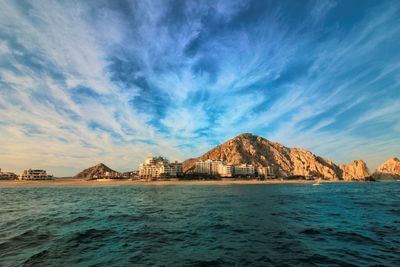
x: 83, y: 82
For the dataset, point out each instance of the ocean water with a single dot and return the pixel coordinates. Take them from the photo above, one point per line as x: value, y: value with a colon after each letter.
x: 336, y: 224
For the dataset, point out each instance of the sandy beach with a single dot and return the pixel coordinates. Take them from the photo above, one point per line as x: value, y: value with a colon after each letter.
x: 81, y: 182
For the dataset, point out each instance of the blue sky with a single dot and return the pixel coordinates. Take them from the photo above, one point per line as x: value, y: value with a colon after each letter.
x: 83, y: 82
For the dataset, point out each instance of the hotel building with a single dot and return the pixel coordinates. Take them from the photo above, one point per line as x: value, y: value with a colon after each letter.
x: 225, y: 170
x: 219, y: 168
x: 244, y: 170
x: 35, y: 175
x: 267, y: 172
x: 155, y: 167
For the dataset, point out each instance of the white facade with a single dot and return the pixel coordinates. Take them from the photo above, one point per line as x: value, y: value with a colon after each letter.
x: 243, y: 170
x: 225, y: 170
x: 203, y: 166
x: 36, y: 175
x: 155, y: 167
x: 217, y: 167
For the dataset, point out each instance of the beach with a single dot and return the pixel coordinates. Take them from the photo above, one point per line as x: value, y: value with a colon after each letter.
x: 82, y: 182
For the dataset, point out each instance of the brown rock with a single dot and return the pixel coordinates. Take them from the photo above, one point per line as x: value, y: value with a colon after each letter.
x: 98, y: 170
x: 252, y: 149
x: 388, y: 170
x: 355, y: 170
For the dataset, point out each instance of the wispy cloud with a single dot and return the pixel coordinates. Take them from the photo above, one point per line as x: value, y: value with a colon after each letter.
x: 82, y: 82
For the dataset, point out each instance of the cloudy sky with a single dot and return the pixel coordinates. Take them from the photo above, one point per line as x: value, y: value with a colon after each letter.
x: 83, y: 82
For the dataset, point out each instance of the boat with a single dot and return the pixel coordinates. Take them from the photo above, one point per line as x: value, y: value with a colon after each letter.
x: 318, y: 182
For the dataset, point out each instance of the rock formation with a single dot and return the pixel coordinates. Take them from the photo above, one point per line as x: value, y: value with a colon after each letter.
x: 252, y: 149
x: 355, y: 170
x: 388, y: 170
x: 97, y: 171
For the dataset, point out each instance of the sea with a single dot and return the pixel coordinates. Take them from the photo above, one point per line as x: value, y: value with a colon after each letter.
x: 335, y: 224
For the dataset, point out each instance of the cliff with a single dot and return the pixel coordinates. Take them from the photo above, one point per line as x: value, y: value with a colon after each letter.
x: 98, y: 170
x: 388, y: 170
x: 355, y: 170
x: 256, y: 150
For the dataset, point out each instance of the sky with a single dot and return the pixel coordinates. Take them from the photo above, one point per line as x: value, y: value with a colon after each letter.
x: 83, y: 82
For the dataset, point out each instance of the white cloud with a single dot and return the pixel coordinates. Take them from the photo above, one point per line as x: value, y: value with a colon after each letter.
x: 43, y: 124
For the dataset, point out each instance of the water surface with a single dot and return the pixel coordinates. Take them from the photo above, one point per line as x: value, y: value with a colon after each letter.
x: 336, y: 224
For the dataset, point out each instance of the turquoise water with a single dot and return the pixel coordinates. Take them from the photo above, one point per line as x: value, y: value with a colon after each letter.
x: 344, y: 224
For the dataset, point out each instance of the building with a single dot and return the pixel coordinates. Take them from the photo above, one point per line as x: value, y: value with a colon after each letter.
x: 36, y: 175
x: 244, y: 170
x: 268, y: 172
x: 203, y: 166
x: 210, y: 167
x: 155, y: 167
x: 108, y: 175
x: 7, y: 175
x: 225, y: 170
x: 220, y: 168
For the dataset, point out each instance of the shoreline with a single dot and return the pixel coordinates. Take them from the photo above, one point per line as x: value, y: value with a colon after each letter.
x: 94, y: 183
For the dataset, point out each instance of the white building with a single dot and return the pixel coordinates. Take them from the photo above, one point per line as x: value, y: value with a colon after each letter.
x: 244, y: 170
x: 225, y: 170
x: 210, y: 167
x: 155, y: 167
x: 36, y: 175
x: 7, y: 175
x: 218, y: 167
x: 203, y: 166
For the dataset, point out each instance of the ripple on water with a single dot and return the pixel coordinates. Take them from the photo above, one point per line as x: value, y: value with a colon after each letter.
x: 264, y: 225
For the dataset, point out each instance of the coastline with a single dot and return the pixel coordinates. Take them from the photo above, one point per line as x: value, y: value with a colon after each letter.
x: 94, y: 183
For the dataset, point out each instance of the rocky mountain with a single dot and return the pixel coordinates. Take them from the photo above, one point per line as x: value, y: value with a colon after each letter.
x: 388, y: 170
x: 355, y: 170
x: 251, y: 149
x: 96, y: 171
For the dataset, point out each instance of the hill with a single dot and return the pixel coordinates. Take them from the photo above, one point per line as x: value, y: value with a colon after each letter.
x: 96, y: 171
x: 258, y: 151
x: 388, y: 170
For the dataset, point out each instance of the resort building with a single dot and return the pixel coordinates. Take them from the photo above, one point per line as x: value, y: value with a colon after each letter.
x: 36, y: 175
x: 155, y: 167
x: 220, y: 168
x: 108, y: 175
x: 7, y: 175
x: 268, y: 172
x: 244, y: 170
x: 225, y: 170
x: 203, y: 166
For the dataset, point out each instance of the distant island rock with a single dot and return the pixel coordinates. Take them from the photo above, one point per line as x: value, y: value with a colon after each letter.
x: 355, y: 170
x: 388, y: 170
x: 94, y: 172
x: 258, y: 151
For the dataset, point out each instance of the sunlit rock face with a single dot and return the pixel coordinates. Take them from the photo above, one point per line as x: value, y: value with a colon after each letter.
x: 96, y: 171
x: 251, y: 149
x: 388, y: 170
x: 355, y: 170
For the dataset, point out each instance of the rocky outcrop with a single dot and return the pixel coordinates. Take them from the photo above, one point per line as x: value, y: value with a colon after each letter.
x: 97, y: 171
x: 355, y: 170
x: 388, y: 170
x: 252, y: 149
